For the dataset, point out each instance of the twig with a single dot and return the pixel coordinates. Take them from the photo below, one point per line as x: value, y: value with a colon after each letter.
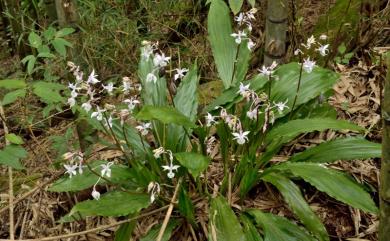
x: 11, y: 182
x: 32, y: 191
x: 169, y: 212
x: 100, y: 228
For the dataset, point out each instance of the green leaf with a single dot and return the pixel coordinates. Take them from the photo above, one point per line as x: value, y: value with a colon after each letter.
x: 194, y: 162
x: 312, y: 84
x: 336, y: 184
x: 14, y: 139
x: 11, y: 156
x: 120, y: 174
x: 152, y: 93
x: 186, y: 102
x: 250, y: 231
x: 153, y: 233
x: 231, y: 95
x: 30, y: 60
x: 34, y: 40
x: 12, y: 83
x: 49, y: 33
x: 288, y: 131
x: 252, y: 3
x: 126, y: 229
x: 342, y: 48
x: 46, y: 55
x: 60, y: 44
x: 48, y: 92
x: 12, y: 96
x: 64, y: 32
x: 222, y: 44
x: 242, y: 63
x: 113, y: 204
x: 224, y: 225
x: 165, y: 114
x: 298, y: 204
x: 186, y: 207
x: 341, y: 149
x: 278, y: 228
x: 235, y: 5
x: 43, y: 49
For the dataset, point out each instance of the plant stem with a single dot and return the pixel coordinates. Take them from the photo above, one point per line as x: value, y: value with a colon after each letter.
x: 296, y: 94
x: 10, y: 181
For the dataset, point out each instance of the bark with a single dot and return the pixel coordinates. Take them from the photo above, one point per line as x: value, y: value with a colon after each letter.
x: 67, y: 12
x: 51, y: 11
x: 275, y: 31
x: 384, y: 190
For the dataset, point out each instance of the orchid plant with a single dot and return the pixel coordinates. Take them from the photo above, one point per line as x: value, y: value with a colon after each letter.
x: 168, y: 146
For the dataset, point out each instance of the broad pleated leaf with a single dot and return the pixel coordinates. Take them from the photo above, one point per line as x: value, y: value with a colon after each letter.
x: 125, y: 231
x: 115, y: 203
x: 223, y: 223
x: 335, y: 183
x: 341, y: 149
x: 288, y: 131
x: 292, y: 195
x: 242, y: 64
x: 278, y: 228
x: 152, y: 93
x: 250, y: 231
x: 312, y: 85
x: 186, y: 206
x: 87, y: 179
x: 186, y: 102
x: 194, y: 162
x: 11, y: 155
x: 235, y: 5
x: 12, y: 83
x: 165, y: 114
x: 222, y: 44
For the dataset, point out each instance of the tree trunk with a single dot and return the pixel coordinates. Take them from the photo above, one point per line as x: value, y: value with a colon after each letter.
x: 275, y: 31
x: 51, y: 11
x: 66, y: 12
x: 384, y: 191
x: 13, y: 8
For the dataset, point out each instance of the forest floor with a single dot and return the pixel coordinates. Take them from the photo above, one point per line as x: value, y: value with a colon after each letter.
x: 356, y: 97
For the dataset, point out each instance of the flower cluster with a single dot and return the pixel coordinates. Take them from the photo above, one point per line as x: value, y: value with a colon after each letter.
x: 170, y: 168
x: 323, y: 49
x: 150, y: 50
x: 75, y: 163
x: 244, y: 23
x: 88, y: 89
x: 154, y: 189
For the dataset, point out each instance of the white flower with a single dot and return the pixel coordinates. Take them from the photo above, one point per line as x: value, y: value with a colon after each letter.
x: 154, y: 190
x: 238, y: 36
x: 95, y: 194
x: 87, y: 106
x: 180, y: 73
x: 79, y: 76
x: 126, y: 84
x: 144, y: 128
x: 170, y: 169
x: 310, y: 42
x: 73, y: 86
x: 147, y: 50
x: 252, y: 114
x: 157, y: 152
x: 108, y: 123
x: 244, y: 89
x: 74, y: 94
x: 81, y: 166
x: 323, y: 49
x: 281, y: 106
x: 92, y: 78
x: 268, y: 71
x: 250, y: 44
x: 106, y: 169
x: 98, y: 114
x: 240, y: 18
x: 161, y: 60
x: 210, y: 120
x: 109, y: 87
x: 151, y: 78
x: 131, y: 103
x: 71, y: 170
x: 308, y: 65
x: 71, y: 102
x: 241, y: 137
x: 323, y: 37
x: 298, y: 51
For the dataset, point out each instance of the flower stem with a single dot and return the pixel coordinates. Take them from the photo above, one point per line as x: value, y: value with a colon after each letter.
x: 296, y: 94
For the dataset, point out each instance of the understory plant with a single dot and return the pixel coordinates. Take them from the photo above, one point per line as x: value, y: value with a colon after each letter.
x: 175, y: 154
